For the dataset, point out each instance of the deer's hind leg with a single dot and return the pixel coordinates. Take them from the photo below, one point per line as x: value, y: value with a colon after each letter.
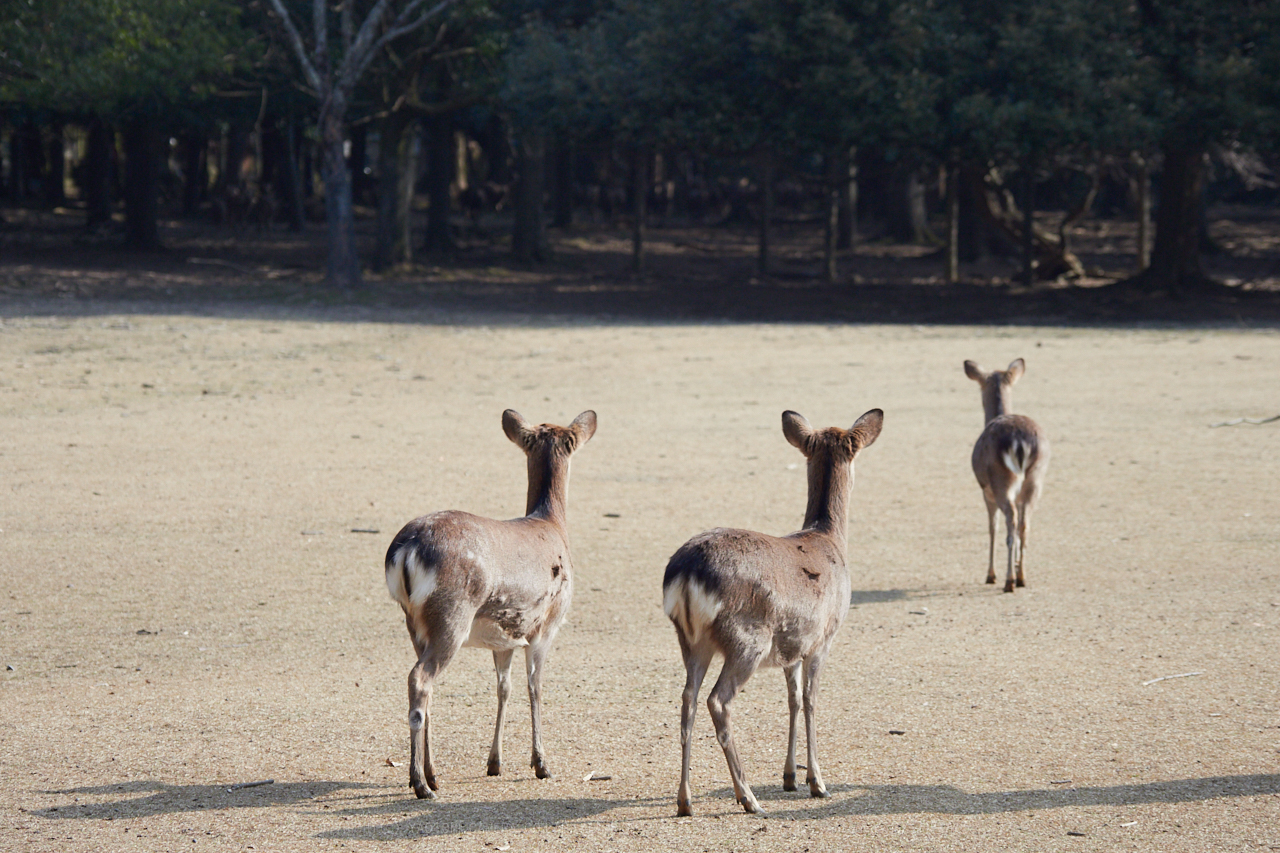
x: 696, y: 662
x: 989, y: 498
x: 434, y: 653
x: 738, y: 667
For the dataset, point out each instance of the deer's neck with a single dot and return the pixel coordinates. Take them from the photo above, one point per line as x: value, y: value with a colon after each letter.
x: 548, y: 486
x: 996, y: 401
x: 829, y: 486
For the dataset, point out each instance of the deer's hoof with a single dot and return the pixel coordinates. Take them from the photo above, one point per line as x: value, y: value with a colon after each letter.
x: 1021, y: 582
x: 818, y: 793
x: 1008, y: 587
x: 788, y: 781
x: 495, y: 768
x: 991, y: 579
x: 422, y: 792
x: 684, y: 810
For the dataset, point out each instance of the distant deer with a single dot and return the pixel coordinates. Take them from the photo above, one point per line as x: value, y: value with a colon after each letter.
x: 1010, y: 459
x: 464, y: 580
x: 767, y: 600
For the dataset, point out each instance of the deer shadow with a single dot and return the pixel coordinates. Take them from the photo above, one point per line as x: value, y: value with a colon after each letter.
x: 869, y: 800
x: 441, y: 818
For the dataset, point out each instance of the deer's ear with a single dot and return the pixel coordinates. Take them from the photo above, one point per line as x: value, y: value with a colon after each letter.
x: 1014, y: 372
x: 584, y: 426
x: 866, y: 429
x: 797, y: 430
x: 516, y: 428
x: 977, y: 374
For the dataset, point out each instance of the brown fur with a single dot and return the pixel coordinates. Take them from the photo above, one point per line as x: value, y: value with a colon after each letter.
x: 768, y: 600
x: 463, y: 579
x: 1008, y: 439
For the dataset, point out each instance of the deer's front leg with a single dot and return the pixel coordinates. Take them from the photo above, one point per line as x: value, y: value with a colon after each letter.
x: 814, y: 777
x: 534, y: 657
x: 792, y: 674
x: 502, y: 664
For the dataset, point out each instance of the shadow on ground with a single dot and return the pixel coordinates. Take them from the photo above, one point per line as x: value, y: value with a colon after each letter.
x: 946, y: 799
x: 157, y: 798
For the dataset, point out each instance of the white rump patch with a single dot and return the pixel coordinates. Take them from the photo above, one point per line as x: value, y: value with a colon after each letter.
x: 1011, y: 462
x: 691, y: 606
x: 422, y: 579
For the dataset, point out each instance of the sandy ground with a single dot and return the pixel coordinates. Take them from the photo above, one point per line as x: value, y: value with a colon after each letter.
x: 188, y: 606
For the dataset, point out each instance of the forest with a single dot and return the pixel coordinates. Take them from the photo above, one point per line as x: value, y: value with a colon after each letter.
x: 973, y: 129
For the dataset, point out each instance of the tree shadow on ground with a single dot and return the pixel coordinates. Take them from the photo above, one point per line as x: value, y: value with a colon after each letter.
x: 694, y: 275
x: 870, y: 800
x: 157, y: 798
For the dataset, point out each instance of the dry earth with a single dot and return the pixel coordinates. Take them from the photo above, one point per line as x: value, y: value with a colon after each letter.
x: 188, y: 605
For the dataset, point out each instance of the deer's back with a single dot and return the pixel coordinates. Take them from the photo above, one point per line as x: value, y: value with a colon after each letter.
x: 1013, y: 442
x: 793, y: 589
x: 488, y: 564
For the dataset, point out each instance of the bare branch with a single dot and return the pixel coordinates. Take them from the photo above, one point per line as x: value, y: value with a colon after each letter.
x: 295, y: 39
x: 398, y: 28
x: 345, y: 24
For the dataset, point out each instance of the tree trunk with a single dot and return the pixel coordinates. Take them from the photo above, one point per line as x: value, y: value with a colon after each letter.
x: 397, y: 174
x: 562, y: 184
x: 641, y: 161
x: 837, y: 177
x: 195, y: 173
x: 907, y: 213
x: 529, y: 233
x: 55, y: 189
x: 1175, y: 257
x: 442, y: 161
x: 99, y: 172
x: 972, y: 236
x: 953, y: 223
x: 288, y: 178
x: 1028, y: 225
x: 142, y: 184
x: 1141, y: 190
x: 356, y: 163
x: 848, y: 225
x: 765, y: 167
x: 343, y: 263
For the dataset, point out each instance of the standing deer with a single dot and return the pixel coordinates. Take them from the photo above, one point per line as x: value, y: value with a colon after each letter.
x: 464, y: 580
x: 1010, y: 459
x: 767, y: 600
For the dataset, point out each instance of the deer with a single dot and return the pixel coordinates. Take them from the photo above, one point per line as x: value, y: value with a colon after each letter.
x: 760, y: 600
x: 466, y: 580
x: 1010, y: 459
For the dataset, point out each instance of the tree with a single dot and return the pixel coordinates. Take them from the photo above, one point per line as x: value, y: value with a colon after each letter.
x: 333, y: 63
x: 1202, y: 62
x: 127, y: 62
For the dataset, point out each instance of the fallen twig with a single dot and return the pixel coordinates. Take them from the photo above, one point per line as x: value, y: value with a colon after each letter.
x: 1254, y: 421
x: 1167, y: 677
x: 258, y: 784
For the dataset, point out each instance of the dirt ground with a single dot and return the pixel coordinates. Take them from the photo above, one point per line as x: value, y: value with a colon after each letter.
x: 189, y: 605
x: 192, y: 601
